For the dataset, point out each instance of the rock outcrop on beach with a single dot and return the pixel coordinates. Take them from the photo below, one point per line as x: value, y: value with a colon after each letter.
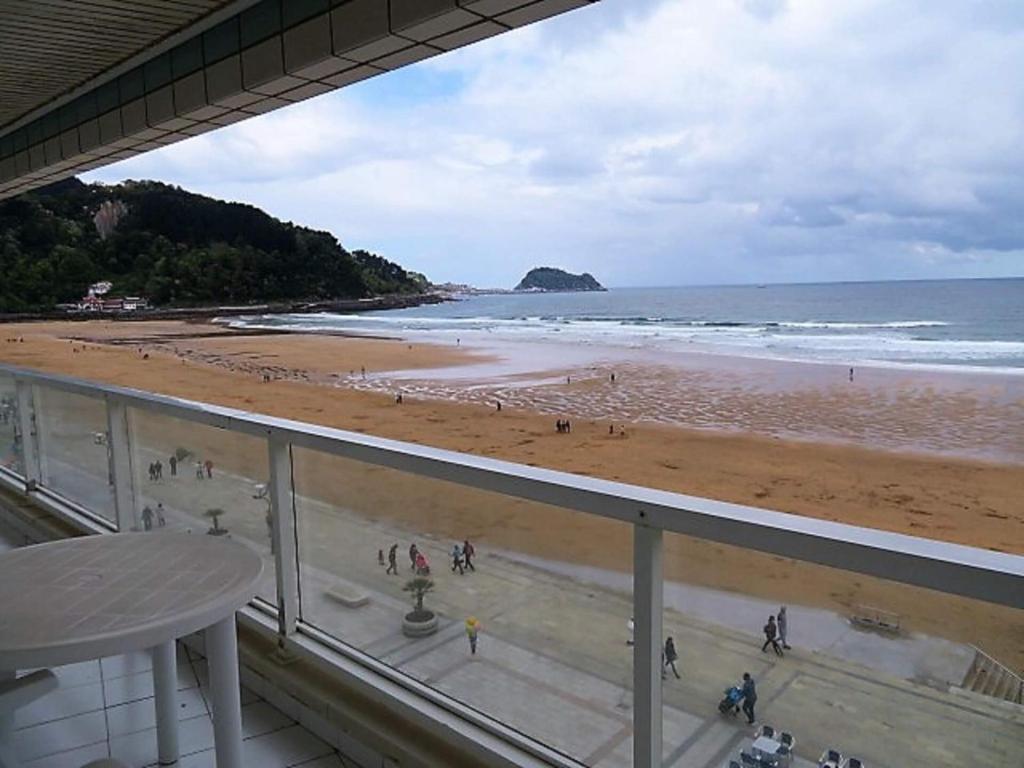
x: 550, y: 279
x: 176, y: 249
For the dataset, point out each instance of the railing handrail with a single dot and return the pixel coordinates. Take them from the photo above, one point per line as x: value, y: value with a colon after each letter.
x: 994, y: 577
x: 992, y: 660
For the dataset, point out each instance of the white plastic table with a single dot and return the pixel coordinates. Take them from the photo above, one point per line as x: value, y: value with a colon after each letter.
x: 95, y: 596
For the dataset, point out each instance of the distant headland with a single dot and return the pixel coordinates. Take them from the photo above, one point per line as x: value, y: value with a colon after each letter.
x: 551, y: 279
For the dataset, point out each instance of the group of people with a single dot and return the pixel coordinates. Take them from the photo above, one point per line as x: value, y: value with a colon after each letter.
x: 462, y: 558
x: 563, y: 426
x: 204, y: 469
x: 148, y: 516
x: 775, y: 632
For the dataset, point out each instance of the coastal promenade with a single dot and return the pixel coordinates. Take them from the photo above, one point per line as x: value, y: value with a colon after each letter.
x: 553, y: 660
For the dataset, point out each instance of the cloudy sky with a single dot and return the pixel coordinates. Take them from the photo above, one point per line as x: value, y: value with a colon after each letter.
x: 664, y: 142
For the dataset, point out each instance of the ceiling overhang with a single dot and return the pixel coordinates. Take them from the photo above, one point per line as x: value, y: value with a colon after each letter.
x: 85, y: 84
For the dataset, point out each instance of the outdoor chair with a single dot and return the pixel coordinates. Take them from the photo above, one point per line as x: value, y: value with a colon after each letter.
x: 734, y: 764
x: 830, y: 757
x: 22, y: 691
x: 18, y: 693
x: 749, y: 760
x: 788, y: 740
x: 766, y: 730
x: 853, y: 762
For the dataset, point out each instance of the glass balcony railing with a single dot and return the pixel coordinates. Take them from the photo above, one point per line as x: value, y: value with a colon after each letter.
x: 571, y: 589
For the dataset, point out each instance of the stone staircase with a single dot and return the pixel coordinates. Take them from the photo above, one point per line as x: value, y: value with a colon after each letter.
x: 990, y: 678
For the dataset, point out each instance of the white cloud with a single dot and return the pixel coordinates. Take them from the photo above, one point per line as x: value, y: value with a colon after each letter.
x: 664, y: 142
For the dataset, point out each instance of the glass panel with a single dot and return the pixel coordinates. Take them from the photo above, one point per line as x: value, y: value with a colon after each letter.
x: 866, y: 667
x: 190, y: 477
x: 10, y: 429
x: 551, y: 590
x: 74, y: 448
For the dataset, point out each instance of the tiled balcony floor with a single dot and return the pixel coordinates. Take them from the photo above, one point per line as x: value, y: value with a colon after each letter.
x: 105, y: 708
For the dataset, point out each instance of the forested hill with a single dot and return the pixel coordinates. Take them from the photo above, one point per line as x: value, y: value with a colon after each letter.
x: 175, y: 248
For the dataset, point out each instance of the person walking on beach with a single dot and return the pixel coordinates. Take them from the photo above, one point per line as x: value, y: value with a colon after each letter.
x: 172, y: 462
x: 771, y: 630
x: 209, y: 469
x: 851, y: 374
x: 392, y: 560
x: 749, y: 693
x: 670, y: 656
x: 413, y: 551
x: 457, y: 560
x: 472, y: 632
x: 783, y: 623
x: 467, y: 553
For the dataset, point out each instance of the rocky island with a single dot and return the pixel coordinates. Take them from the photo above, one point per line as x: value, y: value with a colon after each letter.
x: 556, y: 280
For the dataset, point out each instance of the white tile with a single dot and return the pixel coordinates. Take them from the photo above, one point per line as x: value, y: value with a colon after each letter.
x: 83, y: 673
x: 64, y: 702
x: 126, y: 664
x: 120, y: 690
x: 61, y: 735
x: 260, y: 718
x: 140, y: 715
x: 283, y: 748
x: 74, y: 758
x: 139, y: 749
x: 206, y: 759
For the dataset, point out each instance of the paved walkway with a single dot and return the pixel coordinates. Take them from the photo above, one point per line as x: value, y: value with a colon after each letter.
x: 553, y: 661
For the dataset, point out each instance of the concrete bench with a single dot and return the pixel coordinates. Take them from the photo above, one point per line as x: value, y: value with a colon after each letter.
x: 348, y: 595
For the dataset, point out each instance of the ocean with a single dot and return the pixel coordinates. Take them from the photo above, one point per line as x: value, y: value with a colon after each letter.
x: 975, y: 324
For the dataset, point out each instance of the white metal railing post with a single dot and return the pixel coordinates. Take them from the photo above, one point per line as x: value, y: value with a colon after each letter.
x: 648, y: 599
x: 119, y: 456
x: 27, y: 423
x: 282, y: 532
x: 41, y: 433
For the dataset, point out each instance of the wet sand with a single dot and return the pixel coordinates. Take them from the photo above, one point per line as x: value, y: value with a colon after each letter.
x: 319, y: 378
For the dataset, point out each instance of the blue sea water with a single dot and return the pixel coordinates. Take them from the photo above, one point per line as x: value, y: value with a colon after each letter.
x: 973, y: 323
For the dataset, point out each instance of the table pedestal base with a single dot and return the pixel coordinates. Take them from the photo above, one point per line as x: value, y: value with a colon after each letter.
x: 225, y: 695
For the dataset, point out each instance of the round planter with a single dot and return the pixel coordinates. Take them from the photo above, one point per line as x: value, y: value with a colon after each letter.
x: 419, y: 624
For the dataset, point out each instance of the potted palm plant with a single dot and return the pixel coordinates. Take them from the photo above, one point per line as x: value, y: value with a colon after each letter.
x: 420, y: 621
x: 215, y: 529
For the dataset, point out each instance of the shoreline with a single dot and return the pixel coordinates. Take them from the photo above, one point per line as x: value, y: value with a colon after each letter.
x: 206, y: 314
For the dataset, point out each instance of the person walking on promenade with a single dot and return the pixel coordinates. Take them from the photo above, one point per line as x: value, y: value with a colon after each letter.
x: 468, y: 553
x: 199, y: 470
x: 457, y: 560
x: 749, y: 693
x: 771, y: 630
x: 472, y: 632
x: 392, y: 560
x: 783, y: 623
x: 631, y: 626
x: 173, y: 463
x: 147, y: 519
x: 159, y: 470
x: 413, y: 551
x: 161, y: 521
x: 670, y: 655
x: 209, y: 469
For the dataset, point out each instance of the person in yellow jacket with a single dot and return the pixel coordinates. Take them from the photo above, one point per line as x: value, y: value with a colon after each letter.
x: 472, y: 632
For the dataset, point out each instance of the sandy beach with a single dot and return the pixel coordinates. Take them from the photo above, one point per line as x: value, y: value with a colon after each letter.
x: 875, y: 480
